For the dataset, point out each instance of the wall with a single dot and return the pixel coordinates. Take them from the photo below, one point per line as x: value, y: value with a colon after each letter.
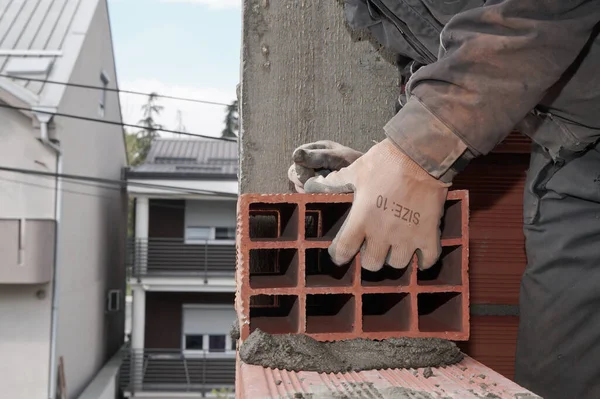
x: 164, y: 315
x: 24, y: 318
x: 94, y: 216
x: 24, y: 340
x: 104, y: 385
x: 329, y: 84
x: 24, y: 195
x: 210, y: 213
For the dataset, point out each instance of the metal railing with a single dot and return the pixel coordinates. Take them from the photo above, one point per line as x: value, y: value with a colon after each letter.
x: 173, y: 257
x: 162, y: 370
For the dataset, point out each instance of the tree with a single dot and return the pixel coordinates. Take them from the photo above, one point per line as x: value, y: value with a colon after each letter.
x: 151, y: 110
x: 133, y: 148
x: 231, y: 121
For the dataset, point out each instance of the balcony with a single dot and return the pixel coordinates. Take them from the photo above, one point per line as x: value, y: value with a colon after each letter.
x: 172, y: 257
x: 157, y: 370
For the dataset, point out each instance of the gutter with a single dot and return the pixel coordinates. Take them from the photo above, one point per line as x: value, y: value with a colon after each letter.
x: 44, y: 118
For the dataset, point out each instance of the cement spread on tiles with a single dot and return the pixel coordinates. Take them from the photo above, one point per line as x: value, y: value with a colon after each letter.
x: 387, y: 393
x: 298, y: 352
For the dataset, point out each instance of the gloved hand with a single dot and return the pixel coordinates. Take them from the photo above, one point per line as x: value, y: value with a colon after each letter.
x: 319, y: 157
x: 396, y: 210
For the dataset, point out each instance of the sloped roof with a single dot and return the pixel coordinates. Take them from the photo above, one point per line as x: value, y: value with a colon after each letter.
x: 40, y: 39
x: 189, y: 158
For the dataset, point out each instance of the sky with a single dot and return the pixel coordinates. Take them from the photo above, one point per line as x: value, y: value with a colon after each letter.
x: 183, y: 48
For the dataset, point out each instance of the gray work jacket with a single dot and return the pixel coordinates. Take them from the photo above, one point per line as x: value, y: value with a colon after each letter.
x: 483, y: 68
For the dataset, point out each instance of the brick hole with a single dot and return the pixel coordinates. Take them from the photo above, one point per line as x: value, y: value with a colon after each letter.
x: 264, y: 301
x: 273, y: 268
x: 386, y: 276
x: 322, y: 272
x: 312, y: 226
x: 274, y: 314
x: 386, y: 312
x: 451, y: 223
x: 446, y: 271
x: 329, y: 313
x: 440, y: 311
x: 324, y: 220
x: 273, y: 221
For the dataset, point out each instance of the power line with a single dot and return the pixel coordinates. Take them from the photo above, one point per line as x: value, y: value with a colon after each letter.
x: 115, y: 123
x: 84, y: 86
x: 119, y: 183
x: 52, y: 188
x: 155, y: 204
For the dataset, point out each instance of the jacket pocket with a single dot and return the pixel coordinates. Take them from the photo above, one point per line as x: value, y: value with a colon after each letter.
x: 562, y: 138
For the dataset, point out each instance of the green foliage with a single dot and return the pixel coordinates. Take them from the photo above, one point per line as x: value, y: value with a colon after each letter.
x: 232, y: 124
x: 144, y: 137
x: 223, y: 393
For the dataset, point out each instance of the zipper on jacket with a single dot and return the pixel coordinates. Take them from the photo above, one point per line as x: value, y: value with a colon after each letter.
x: 405, y: 32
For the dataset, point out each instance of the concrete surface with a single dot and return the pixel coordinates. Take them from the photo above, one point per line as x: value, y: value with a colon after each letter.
x: 306, y: 77
x: 104, y: 385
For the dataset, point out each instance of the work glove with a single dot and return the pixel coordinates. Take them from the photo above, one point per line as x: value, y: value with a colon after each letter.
x: 319, y: 158
x: 396, y: 210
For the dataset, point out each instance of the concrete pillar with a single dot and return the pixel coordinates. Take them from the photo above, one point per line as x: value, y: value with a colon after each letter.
x: 138, y: 325
x: 142, y: 213
x: 138, y: 329
x: 333, y: 83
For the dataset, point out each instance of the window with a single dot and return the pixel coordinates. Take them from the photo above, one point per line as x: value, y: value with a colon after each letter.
x: 105, y: 81
x: 205, y: 330
x: 194, y: 233
x: 194, y: 342
x: 216, y: 343
x: 225, y: 233
x: 211, y: 343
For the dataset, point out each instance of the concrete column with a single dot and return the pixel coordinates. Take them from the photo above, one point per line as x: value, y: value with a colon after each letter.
x: 138, y: 329
x: 142, y: 209
x: 138, y: 324
x: 142, y: 213
x: 343, y: 88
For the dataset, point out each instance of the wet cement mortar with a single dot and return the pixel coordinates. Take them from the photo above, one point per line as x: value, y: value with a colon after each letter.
x: 298, y: 352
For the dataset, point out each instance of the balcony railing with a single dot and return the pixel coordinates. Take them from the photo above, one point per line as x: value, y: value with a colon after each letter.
x: 173, y: 257
x: 157, y: 370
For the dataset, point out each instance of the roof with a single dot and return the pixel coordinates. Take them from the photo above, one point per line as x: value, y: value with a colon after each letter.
x: 189, y: 158
x: 40, y: 39
x: 468, y: 379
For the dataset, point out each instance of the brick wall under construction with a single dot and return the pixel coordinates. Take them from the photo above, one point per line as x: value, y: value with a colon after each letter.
x: 497, y: 251
x: 339, y: 85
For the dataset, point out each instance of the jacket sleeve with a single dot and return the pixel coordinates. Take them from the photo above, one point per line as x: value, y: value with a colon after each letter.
x: 495, y: 64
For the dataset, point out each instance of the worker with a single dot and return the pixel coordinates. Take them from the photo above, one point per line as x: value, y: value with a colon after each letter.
x: 474, y: 70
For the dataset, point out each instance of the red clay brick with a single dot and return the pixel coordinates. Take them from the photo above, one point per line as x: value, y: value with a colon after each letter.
x: 286, y: 282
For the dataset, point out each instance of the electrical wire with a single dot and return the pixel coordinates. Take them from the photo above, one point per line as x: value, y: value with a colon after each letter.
x: 85, y: 86
x: 26, y: 183
x: 115, y: 123
x: 119, y: 183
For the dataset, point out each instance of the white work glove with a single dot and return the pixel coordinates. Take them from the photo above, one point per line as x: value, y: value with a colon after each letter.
x: 319, y: 157
x: 396, y: 210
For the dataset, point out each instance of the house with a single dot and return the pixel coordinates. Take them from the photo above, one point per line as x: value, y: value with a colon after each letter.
x: 181, y: 264
x: 62, y: 240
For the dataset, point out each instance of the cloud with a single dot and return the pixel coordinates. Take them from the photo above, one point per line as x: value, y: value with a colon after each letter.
x: 205, y: 119
x: 216, y: 4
